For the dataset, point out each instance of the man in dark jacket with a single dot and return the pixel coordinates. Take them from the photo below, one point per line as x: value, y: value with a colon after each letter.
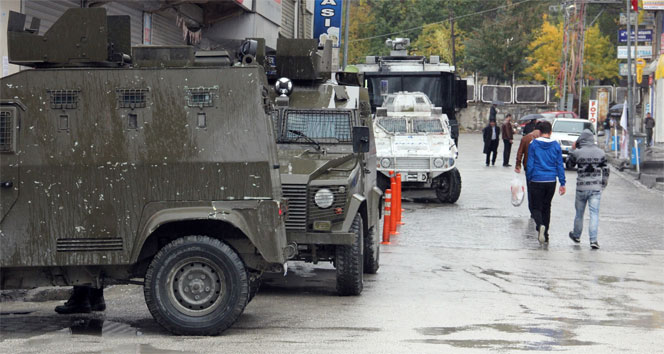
x: 592, y: 178
x: 650, y: 124
x: 507, y: 132
x: 529, y: 127
x: 491, y: 135
x: 545, y: 164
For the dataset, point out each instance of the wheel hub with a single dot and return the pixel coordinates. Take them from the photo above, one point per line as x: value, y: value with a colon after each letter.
x: 196, y: 287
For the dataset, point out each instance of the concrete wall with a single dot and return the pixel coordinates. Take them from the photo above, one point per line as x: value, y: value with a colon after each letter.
x: 476, y: 116
x: 5, y: 7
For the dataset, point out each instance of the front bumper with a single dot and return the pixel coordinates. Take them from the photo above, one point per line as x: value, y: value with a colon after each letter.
x: 321, y: 238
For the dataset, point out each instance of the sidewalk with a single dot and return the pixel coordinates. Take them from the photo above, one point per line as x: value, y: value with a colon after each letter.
x: 651, y: 172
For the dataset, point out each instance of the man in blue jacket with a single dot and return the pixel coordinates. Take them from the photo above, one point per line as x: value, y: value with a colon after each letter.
x: 545, y: 164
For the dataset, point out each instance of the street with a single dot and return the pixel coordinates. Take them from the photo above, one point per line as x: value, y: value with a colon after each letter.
x: 467, y: 277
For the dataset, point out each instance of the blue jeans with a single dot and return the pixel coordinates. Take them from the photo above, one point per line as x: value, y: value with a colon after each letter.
x: 592, y: 198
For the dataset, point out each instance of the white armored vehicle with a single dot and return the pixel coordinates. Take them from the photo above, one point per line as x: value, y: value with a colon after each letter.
x: 414, y: 138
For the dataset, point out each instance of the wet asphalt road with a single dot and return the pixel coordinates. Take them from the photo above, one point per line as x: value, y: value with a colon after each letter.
x: 469, y: 277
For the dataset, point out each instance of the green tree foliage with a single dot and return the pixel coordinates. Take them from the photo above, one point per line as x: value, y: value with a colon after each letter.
x: 361, y: 25
x: 436, y: 39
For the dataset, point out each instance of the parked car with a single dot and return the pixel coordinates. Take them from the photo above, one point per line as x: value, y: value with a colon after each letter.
x: 566, y: 131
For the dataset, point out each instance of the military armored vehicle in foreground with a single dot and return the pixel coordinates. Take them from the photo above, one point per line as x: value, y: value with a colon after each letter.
x: 413, y: 138
x: 402, y: 72
x: 162, y: 172
x: 327, y: 156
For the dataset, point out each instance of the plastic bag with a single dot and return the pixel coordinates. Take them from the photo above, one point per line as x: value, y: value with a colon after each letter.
x: 518, y: 190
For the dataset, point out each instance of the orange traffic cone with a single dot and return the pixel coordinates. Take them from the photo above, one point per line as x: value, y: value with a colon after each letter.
x: 387, y: 217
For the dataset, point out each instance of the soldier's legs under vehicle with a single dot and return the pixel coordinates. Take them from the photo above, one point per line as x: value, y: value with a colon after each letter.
x: 83, y: 299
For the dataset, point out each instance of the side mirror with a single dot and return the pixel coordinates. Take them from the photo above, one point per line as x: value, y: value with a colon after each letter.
x: 361, y: 139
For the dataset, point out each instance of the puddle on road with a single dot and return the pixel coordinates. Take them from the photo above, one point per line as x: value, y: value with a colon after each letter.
x: 12, y: 326
x: 139, y: 349
x: 557, y: 337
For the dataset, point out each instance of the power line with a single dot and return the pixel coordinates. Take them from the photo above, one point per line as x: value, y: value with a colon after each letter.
x: 446, y: 20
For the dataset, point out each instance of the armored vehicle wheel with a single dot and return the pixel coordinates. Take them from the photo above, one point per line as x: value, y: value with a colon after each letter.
x: 196, y: 285
x: 372, y: 250
x: 450, y: 187
x: 349, y: 262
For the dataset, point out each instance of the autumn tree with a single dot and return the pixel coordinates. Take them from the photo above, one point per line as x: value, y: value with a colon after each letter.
x: 361, y: 25
x: 436, y: 39
x: 599, y: 56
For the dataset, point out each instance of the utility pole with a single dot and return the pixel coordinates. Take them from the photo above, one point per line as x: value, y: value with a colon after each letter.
x: 347, y: 6
x: 452, y: 35
x: 630, y: 99
x: 563, y: 66
x: 583, y: 46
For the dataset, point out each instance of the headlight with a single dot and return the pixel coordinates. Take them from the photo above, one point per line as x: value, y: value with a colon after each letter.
x: 385, y: 163
x: 566, y: 142
x: 324, y: 198
x: 438, y: 163
x: 452, y: 161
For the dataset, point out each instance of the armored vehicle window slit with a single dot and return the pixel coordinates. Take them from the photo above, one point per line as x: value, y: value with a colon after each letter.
x: 132, y: 121
x: 201, y: 120
x: 131, y: 98
x: 64, y: 99
x: 200, y: 97
x: 6, y: 131
x: 63, y: 122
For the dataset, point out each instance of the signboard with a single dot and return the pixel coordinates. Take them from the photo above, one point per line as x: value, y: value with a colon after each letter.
x: 593, y: 113
x: 246, y: 4
x: 653, y: 4
x: 147, y: 28
x: 603, y: 95
x: 327, y: 21
x: 644, y: 51
x: 647, y: 18
x: 622, y: 69
x: 644, y: 35
x: 661, y: 44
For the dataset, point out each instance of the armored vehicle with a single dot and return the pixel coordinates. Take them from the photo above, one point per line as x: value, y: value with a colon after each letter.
x: 163, y: 172
x: 402, y: 72
x: 413, y: 138
x: 326, y: 153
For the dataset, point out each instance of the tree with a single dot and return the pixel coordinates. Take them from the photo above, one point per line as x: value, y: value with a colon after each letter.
x: 599, y: 56
x: 361, y: 25
x: 435, y: 39
x: 545, y: 51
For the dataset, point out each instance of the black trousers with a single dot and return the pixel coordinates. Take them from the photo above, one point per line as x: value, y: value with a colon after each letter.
x: 530, y: 199
x: 649, y: 136
x: 542, y: 194
x: 506, y: 152
x: 493, y: 149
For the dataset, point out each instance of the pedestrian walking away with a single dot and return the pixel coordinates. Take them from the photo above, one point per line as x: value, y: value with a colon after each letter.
x: 592, y: 177
x: 545, y: 164
x: 508, y: 138
x: 649, y: 122
x: 491, y: 135
x: 493, y: 112
x: 522, y: 159
x: 529, y: 127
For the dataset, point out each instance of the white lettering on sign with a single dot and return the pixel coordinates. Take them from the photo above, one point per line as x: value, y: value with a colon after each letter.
x: 593, y: 111
x: 328, y: 2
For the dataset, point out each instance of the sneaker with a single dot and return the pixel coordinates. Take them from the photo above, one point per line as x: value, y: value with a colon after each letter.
x: 546, y: 238
x: 594, y: 245
x: 574, y: 238
x: 540, y: 234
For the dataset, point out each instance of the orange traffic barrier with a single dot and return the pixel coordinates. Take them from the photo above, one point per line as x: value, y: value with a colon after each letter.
x: 387, y: 217
x: 394, y: 212
x: 398, y: 200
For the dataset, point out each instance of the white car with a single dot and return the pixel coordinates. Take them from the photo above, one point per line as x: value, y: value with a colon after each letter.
x: 413, y: 138
x: 566, y: 131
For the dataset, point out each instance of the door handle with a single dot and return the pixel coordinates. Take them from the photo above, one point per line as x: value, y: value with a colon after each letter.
x: 6, y: 184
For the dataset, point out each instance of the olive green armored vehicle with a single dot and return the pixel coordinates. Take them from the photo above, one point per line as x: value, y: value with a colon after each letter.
x: 327, y: 156
x: 158, y: 168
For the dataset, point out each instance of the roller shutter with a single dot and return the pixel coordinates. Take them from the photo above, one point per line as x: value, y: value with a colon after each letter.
x: 165, y: 31
x: 287, y: 18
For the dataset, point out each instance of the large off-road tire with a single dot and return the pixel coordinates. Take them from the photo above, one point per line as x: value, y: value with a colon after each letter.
x: 196, y: 285
x: 350, y: 262
x: 372, y: 250
x: 450, y: 188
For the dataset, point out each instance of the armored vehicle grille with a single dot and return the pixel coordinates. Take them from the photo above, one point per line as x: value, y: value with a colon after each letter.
x: 5, y: 131
x: 412, y: 163
x: 316, y: 213
x: 64, y: 99
x: 297, y: 206
x: 89, y: 244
